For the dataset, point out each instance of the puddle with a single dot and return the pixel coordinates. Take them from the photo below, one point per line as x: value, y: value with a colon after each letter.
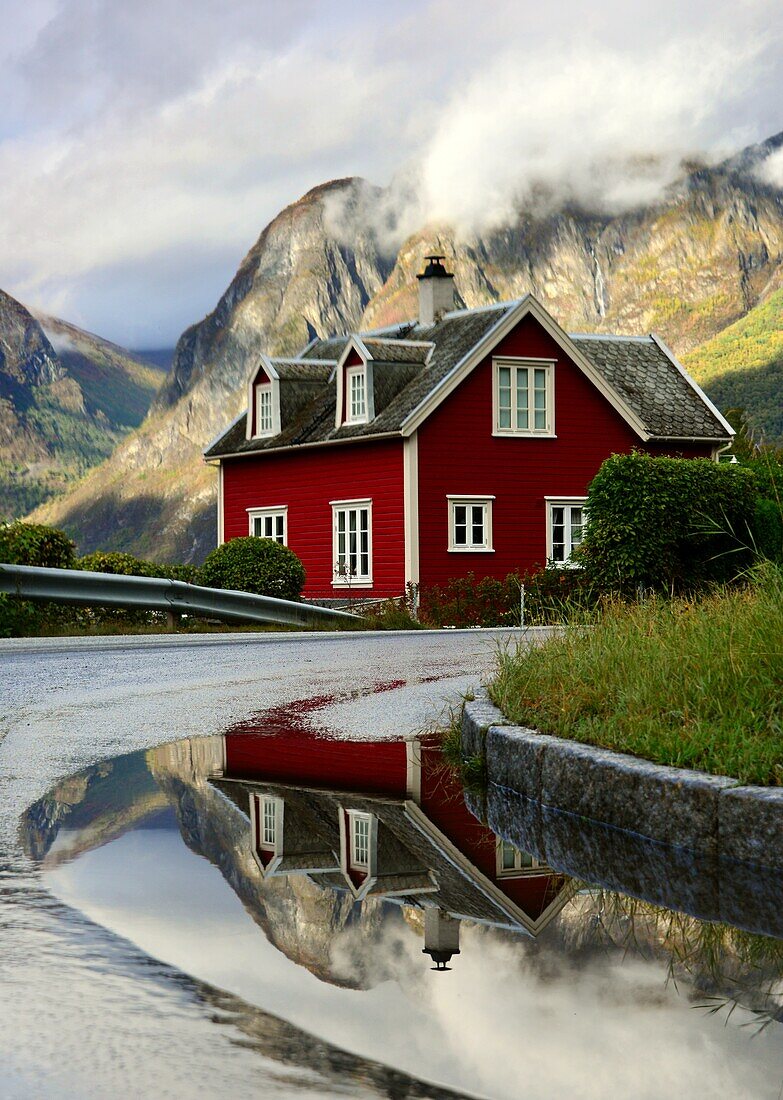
x: 364, y: 930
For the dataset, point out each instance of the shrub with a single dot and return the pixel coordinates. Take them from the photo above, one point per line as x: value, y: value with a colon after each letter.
x: 112, y: 561
x: 667, y: 524
x: 257, y: 565
x: 465, y: 601
x: 35, y: 544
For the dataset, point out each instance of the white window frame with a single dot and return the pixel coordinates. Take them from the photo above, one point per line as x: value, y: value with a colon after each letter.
x: 514, y: 364
x: 567, y: 503
x: 281, y: 511
x: 455, y: 501
x: 354, y: 818
x: 352, y: 417
x: 358, y: 580
x: 536, y: 866
x: 264, y: 389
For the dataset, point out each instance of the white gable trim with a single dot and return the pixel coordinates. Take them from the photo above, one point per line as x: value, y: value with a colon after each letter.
x: 526, y: 306
x: 354, y: 344
x: 268, y: 367
x: 693, y: 384
x: 493, y: 893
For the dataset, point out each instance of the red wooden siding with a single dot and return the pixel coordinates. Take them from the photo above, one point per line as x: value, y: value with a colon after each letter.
x: 443, y: 802
x: 459, y: 455
x: 303, y: 760
x: 306, y: 480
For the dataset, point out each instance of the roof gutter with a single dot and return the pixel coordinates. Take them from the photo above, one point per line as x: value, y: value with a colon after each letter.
x: 211, y: 459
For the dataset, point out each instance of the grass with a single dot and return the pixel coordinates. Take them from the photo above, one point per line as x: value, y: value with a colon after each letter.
x: 695, y: 684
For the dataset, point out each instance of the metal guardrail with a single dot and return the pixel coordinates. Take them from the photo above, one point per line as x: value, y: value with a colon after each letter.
x: 74, y: 586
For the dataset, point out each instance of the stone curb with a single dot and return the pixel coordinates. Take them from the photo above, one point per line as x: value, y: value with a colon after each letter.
x: 709, y: 814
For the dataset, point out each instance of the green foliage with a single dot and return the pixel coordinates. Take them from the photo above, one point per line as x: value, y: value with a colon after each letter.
x: 743, y: 366
x: 689, y: 682
x: 552, y: 595
x: 251, y: 564
x: 465, y: 601
x: 114, y: 561
x: 35, y: 544
x: 667, y: 524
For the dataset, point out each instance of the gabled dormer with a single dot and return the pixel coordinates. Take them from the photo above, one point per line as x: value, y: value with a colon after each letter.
x: 279, y: 389
x: 371, y: 371
x: 263, y: 401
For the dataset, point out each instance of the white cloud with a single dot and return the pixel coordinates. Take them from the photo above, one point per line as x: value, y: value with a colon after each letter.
x: 147, y: 145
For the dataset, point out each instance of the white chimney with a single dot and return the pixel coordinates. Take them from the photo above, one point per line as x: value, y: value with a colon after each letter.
x: 436, y: 291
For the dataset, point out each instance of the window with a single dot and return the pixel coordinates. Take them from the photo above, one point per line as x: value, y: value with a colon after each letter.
x: 352, y: 542
x: 470, y: 523
x: 269, y: 822
x: 513, y: 863
x: 565, y: 527
x: 357, y: 395
x: 524, y: 397
x: 360, y: 840
x: 264, y: 420
x: 269, y: 523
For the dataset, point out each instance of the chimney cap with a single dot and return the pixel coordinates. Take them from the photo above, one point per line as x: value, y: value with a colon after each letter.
x: 435, y: 268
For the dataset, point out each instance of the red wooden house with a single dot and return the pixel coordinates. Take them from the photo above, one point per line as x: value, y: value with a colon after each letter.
x: 383, y: 819
x: 462, y: 442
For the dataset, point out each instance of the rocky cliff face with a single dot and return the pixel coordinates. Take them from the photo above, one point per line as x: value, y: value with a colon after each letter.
x: 685, y: 268
x: 299, y: 280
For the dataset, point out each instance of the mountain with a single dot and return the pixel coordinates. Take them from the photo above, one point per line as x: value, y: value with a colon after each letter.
x: 742, y: 367
x: 698, y: 260
x: 155, y: 497
x: 66, y: 399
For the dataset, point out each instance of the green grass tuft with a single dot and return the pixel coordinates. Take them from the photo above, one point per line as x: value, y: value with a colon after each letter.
x: 695, y: 684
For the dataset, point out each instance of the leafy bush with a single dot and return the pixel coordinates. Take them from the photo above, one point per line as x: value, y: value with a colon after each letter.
x: 667, y: 524
x: 465, y: 601
x: 35, y: 544
x: 45, y: 547
x: 257, y: 565
x: 113, y: 561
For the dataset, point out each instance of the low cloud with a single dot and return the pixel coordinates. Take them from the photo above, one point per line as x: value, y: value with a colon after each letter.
x: 152, y: 145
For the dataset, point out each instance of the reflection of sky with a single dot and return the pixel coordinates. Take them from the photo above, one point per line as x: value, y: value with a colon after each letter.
x: 487, y: 1026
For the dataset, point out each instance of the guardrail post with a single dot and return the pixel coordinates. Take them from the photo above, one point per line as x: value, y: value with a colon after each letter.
x: 172, y: 620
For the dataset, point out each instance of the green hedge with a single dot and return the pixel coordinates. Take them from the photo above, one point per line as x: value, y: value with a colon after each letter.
x: 113, y: 561
x: 251, y: 564
x: 668, y: 524
x: 34, y: 544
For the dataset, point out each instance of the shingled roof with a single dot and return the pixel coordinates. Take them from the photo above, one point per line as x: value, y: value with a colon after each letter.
x: 412, y: 361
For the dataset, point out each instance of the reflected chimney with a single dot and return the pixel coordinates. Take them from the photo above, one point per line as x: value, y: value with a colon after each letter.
x: 441, y: 937
x: 436, y: 290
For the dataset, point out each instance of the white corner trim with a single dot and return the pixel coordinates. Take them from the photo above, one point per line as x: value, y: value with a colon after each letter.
x: 693, y: 384
x: 410, y: 486
x: 220, y: 519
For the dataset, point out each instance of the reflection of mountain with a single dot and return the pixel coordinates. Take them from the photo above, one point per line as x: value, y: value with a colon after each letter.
x: 91, y: 808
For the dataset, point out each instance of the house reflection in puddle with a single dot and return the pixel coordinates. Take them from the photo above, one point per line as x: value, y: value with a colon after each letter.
x: 386, y: 820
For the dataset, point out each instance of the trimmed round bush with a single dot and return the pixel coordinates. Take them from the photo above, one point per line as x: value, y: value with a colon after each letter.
x: 257, y: 565
x: 35, y: 544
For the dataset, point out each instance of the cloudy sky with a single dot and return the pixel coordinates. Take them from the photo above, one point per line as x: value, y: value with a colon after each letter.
x: 145, y: 144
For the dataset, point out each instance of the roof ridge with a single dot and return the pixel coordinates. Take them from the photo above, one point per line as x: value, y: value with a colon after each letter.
x: 510, y: 304
x: 301, y: 360
x: 610, y: 336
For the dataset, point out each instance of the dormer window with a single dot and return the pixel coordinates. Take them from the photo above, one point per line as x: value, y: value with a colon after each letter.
x: 356, y: 383
x: 264, y: 418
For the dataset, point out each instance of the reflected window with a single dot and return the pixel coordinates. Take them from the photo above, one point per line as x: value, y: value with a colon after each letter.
x: 360, y: 840
x: 514, y: 863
